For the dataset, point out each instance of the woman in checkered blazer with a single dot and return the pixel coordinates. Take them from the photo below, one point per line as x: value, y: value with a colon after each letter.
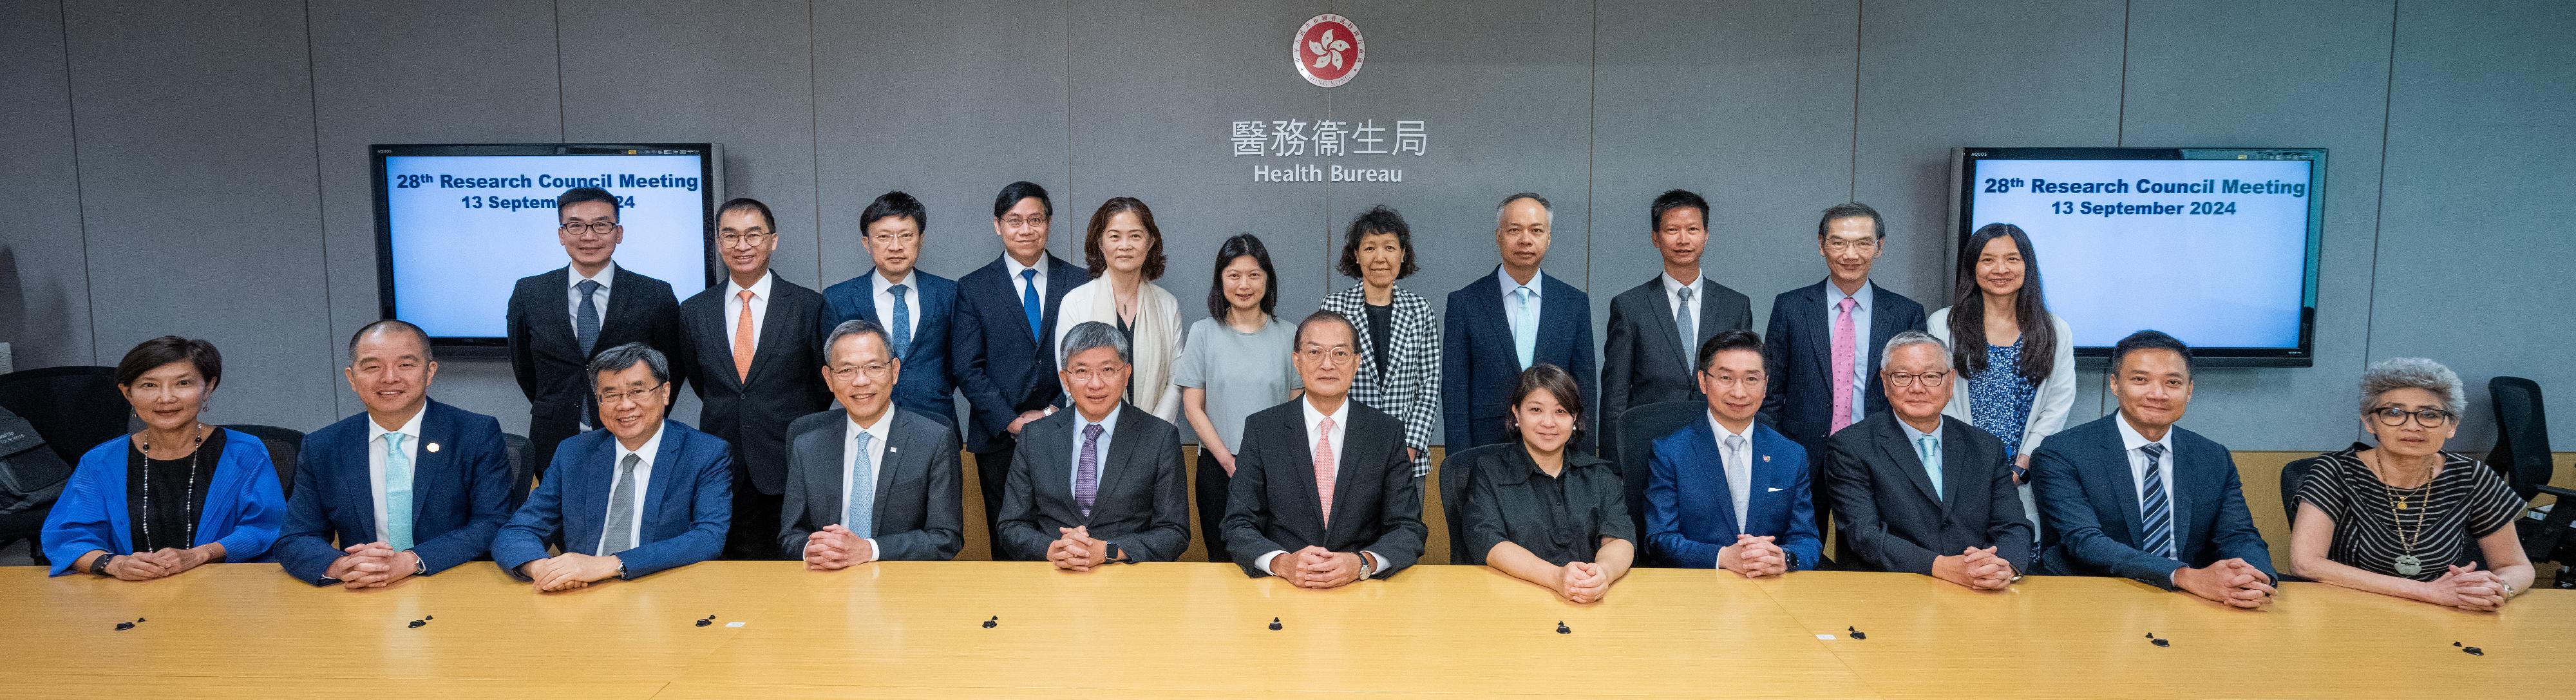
x: 1399, y: 337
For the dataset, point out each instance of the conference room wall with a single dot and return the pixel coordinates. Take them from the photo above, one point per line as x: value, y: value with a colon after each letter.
x: 244, y: 129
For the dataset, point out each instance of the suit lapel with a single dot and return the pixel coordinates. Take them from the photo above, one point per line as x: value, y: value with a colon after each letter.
x: 1303, y: 473
x: 1667, y: 334
x: 554, y: 317
x: 1899, y: 446
x: 898, y: 436
x: 429, y: 467
x: 1705, y: 445
x: 1882, y: 326
x: 666, y: 459
x: 1708, y: 321
x: 598, y: 467
x: 1961, y: 472
x: 1345, y: 474
x: 2174, y: 497
x: 1498, y: 320
x: 356, y: 483
x: 774, y: 332
x: 622, y: 304
x: 2113, y: 473
x: 1824, y: 345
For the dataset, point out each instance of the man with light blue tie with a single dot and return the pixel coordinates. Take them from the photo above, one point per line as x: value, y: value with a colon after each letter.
x: 411, y: 487
x: 868, y: 481
x: 912, y: 306
x: 1500, y: 325
x: 1919, y: 492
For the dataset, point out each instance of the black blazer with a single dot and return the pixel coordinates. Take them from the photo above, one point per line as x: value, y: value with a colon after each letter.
x: 1479, y: 365
x: 997, y: 364
x: 1883, y: 502
x: 1143, y: 505
x: 549, y: 362
x: 1643, y: 360
x: 1273, y: 505
x: 786, y: 375
x: 916, y: 515
x: 1800, y: 344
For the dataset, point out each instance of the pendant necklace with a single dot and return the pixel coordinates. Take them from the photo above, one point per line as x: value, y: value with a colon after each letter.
x: 2406, y: 563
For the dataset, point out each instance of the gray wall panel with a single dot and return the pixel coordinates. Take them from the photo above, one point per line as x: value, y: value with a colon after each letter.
x: 44, y: 269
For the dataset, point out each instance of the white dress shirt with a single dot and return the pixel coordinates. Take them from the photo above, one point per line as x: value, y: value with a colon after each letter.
x: 1689, y: 309
x: 911, y: 302
x: 852, y: 469
x: 759, y: 308
x: 1020, y: 287
x: 376, y: 432
x: 1314, y: 427
x: 2130, y: 443
x: 1860, y: 342
x: 606, y: 278
x: 1738, y: 464
x: 643, y: 487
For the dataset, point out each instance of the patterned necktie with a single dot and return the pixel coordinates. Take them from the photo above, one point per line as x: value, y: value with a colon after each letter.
x: 619, y: 534
x: 1086, y: 471
x: 1928, y: 447
x: 1845, y: 357
x: 1525, y: 327
x: 743, y: 336
x: 902, y: 323
x: 2158, y: 510
x: 585, y: 330
x: 1324, y: 471
x: 397, y: 493
x: 861, y: 505
x: 1030, y: 305
x: 1690, y: 332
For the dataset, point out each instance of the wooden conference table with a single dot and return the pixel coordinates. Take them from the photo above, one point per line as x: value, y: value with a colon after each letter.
x: 1201, y: 630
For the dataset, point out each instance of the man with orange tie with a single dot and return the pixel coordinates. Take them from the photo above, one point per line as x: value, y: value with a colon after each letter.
x: 756, y: 342
x: 1323, y: 492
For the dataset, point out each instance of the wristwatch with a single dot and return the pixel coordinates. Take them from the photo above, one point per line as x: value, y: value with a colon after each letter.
x: 1368, y: 564
x: 99, y: 566
x: 1789, y: 560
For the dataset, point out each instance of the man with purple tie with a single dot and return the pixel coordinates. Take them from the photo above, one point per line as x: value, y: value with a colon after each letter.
x: 1101, y: 483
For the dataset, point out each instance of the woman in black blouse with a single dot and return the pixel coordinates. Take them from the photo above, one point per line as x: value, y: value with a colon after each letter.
x: 2405, y: 518
x: 1546, y: 513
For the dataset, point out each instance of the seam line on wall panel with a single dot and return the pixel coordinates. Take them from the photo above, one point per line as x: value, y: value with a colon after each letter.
x: 1064, y: 11
x: 2120, y: 125
x: 1591, y: 139
x: 1860, y: 13
x: 814, y: 131
x: 2379, y: 209
x: 80, y: 211
x: 321, y: 219
x: 563, y: 131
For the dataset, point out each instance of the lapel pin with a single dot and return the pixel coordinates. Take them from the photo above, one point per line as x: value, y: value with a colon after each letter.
x: 890, y: 449
x: 433, y: 448
x: 1766, y: 458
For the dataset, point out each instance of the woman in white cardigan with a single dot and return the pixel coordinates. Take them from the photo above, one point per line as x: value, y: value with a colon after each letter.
x: 2016, y: 372
x: 1124, y: 250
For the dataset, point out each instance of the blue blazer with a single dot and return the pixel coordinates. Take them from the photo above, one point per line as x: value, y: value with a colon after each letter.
x: 242, y: 511
x: 460, y: 494
x: 1690, y: 514
x: 996, y: 362
x: 2089, y: 504
x: 1800, y: 349
x: 1479, y: 365
x: 925, y: 384
x: 685, y: 514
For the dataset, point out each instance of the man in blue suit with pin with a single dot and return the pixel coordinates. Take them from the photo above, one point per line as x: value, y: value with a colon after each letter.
x: 911, y: 305
x: 1511, y: 321
x: 1005, y: 311
x: 640, y: 495
x: 1729, y: 492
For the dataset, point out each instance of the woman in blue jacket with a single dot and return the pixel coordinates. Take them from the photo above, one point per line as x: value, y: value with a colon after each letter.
x: 179, y: 494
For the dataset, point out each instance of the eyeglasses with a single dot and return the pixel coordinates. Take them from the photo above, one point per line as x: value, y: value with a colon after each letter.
x: 1929, y: 379
x: 1840, y: 245
x: 612, y: 398
x: 596, y: 228
x: 742, y: 240
x: 1729, y: 381
x: 1334, y: 356
x: 2394, y: 416
x: 886, y: 238
x: 874, y: 370
x: 1085, y: 375
x: 1016, y: 222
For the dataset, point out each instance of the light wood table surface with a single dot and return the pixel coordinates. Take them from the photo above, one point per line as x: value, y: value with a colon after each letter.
x: 1201, y: 630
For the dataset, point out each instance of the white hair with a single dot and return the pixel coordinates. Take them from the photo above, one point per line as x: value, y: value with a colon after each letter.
x: 2411, y: 373
x: 1888, y: 354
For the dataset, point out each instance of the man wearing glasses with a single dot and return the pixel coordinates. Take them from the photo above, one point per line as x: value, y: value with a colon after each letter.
x: 753, y: 344
x: 1323, y: 493
x: 1729, y: 492
x: 558, y: 320
x: 1825, y: 337
x: 642, y: 495
x: 911, y: 305
x: 867, y: 481
x: 1005, y: 311
x: 1919, y: 492
x: 1100, y: 483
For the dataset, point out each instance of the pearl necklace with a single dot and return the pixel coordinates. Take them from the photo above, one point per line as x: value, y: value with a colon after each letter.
x: 187, y: 508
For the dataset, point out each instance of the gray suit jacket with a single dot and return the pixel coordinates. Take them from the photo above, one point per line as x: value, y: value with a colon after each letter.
x: 1883, y: 502
x: 916, y: 512
x: 1643, y: 360
x: 1143, y: 505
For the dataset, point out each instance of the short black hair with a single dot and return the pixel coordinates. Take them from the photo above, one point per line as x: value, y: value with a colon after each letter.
x: 1014, y: 192
x: 578, y: 195
x: 1242, y: 244
x: 893, y: 205
x: 1846, y: 210
x: 748, y: 204
x: 395, y: 325
x: 1731, y: 340
x: 1556, y: 382
x: 1676, y: 199
x: 2149, y: 340
x: 152, y: 354
x: 1378, y: 219
x: 1297, y: 341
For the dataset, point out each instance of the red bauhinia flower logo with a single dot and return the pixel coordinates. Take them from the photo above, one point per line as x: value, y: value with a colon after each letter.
x: 1328, y: 50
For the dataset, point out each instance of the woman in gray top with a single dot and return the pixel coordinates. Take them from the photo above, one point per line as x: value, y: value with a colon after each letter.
x: 1234, y: 362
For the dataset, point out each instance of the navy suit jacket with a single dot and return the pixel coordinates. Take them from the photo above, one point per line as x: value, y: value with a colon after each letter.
x: 1479, y: 364
x: 925, y: 385
x: 1800, y: 346
x: 2089, y: 504
x: 1690, y: 514
x: 997, y: 363
x: 460, y: 493
x: 685, y: 515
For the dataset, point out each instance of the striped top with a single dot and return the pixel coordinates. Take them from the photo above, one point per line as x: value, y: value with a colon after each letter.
x: 2468, y: 500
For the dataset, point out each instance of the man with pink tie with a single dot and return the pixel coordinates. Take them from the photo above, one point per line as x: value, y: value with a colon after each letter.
x: 1824, y: 338
x: 1323, y: 493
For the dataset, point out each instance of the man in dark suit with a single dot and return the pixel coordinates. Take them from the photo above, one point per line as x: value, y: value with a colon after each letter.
x: 868, y: 481
x: 1911, y: 485
x: 1656, y: 328
x: 911, y: 305
x: 1825, y: 338
x: 1323, y: 492
x: 754, y: 347
x: 1004, y: 311
x: 559, y: 319
x: 1101, y: 483
x: 2133, y: 495
x: 1729, y: 492
x: 1511, y: 321
x: 640, y: 495
x: 409, y: 488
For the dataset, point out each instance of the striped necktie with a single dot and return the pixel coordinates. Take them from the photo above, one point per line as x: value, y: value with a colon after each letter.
x: 2157, y: 510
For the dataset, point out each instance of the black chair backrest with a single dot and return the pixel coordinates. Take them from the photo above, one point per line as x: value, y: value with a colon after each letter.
x: 2522, y: 434
x: 1639, y: 428
x: 522, y: 474
x: 1457, y: 470
x: 2293, y: 474
x: 283, y: 445
x: 73, y: 408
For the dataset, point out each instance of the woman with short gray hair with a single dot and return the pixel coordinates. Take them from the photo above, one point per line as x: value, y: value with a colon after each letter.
x: 2401, y: 518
